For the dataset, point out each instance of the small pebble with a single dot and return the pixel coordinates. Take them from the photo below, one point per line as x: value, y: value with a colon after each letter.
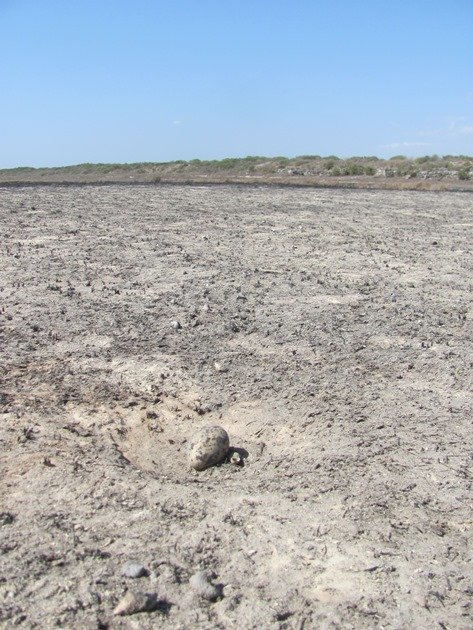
x: 133, y: 603
x: 219, y: 367
x: 133, y: 569
x: 176, y: 325
x: 208, y: 447
x: 202, y: 585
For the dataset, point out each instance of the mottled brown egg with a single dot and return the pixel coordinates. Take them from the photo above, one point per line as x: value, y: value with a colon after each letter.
x: 208, y: 447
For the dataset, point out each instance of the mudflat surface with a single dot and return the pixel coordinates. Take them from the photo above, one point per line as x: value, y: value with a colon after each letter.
x: 329, y: 332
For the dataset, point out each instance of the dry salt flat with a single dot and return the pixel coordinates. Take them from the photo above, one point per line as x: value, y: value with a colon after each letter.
x: 329, y: 333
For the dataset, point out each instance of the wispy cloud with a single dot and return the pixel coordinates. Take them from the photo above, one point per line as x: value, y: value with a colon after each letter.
x: 408, y: 145
x: 453, y: 126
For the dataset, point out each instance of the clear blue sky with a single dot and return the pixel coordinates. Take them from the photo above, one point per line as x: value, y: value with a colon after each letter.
x: 143, y: 80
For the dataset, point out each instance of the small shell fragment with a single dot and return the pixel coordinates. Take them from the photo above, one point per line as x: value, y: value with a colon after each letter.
x: 132, y: 603
x: 202, y: 585
x: 236, y: 459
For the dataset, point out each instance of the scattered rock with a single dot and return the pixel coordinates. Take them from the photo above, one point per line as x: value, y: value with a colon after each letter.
x: 7, y: 518
x: 132, y: 603
x: 208, y: 447
x: 134, y: 569
x: 202, y: 585
x: 176, y: 325
x: 220, y: 367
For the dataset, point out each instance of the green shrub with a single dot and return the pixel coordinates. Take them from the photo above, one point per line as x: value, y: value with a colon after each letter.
x: 423, y: 159
x: 353, y: 169
x: 225, y: 164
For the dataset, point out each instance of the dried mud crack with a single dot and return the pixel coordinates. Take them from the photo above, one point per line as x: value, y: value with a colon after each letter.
x: 328, y: 332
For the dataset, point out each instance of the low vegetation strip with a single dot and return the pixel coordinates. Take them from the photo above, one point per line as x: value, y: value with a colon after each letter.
x: 428, y: 172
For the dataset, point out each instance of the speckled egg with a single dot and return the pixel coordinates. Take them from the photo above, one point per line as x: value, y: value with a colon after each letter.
x: 208, y: 447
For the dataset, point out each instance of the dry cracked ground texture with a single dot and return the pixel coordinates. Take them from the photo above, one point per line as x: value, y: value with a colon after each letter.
x: 341, y: 325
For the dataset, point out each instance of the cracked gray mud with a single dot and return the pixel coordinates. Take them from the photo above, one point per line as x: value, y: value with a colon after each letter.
x: 343, y: 320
